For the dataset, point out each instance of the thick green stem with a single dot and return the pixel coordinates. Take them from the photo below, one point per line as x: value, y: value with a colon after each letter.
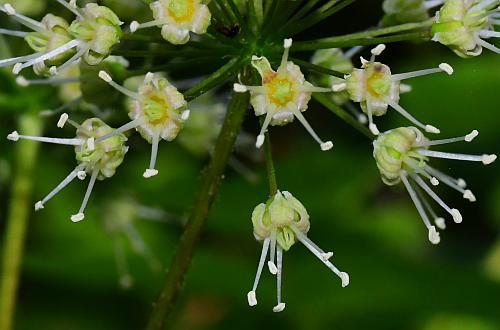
x: 211, y: 181
x: 362, y: 38
x: 19, y: 210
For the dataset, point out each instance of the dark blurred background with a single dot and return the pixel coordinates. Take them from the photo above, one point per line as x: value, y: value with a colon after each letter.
x: 399, y: 280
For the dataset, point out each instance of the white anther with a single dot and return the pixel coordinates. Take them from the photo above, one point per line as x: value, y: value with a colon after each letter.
x: 53, y: 70
x: 434, y: 181
x: 440, y: 223
x: 105, y: 76
x: 325, y: 146
x: 326, y: 255
x: 363, y: 61
x: 469, y: 195
x: 378, y: 50
x: 77, y: 217
x: 488, y: 159
x: 345, y: 279
x: 339, y: 87
x: 272, y: 267
x: 91, y: 143
x: 134, y: 26
x: 405, y: 88
x: 461, y: 183
x: 432, y: 129
x: 279, y: 307
x: 149, y: 77
x: 471, y: 136
x: 287, y: 43
x: 434, y: 235
x: 373, y: 128
x: 38, y: 206
x: 239, y: 88
x: 9, y: 9
x: 149, y: 173
x: 446, y: 68
x: 21, y: 81
x: 72, y: 3
x: 185, y: 115
x: 81, y: 175
x: 362, y: 118
x: 252, y: 299
x: 14, y: 136
x: 457, y: 217
x: 62, y: 120
x: 260, y: 140
x: 17, y: 68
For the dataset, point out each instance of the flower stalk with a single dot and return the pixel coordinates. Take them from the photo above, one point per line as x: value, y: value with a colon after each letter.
x: 17, y: 220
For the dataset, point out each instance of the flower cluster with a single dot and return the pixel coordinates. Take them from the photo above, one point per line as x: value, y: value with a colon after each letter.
x: 63, y: 51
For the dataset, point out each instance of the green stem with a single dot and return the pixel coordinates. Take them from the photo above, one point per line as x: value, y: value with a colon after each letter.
x: 211, y: 181
x: 353, y: 39
x: 271, y: 173
x: 317, y: 68
x: 259, y: 11
x: 19, y: 211
x: 339, y: 112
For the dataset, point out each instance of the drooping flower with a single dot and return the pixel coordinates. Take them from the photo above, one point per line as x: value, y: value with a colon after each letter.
x: 158, y: 112
x: 376, y: 88
x: 58, y: 44
x: 279, y: 223
x: 283, y: 95
x: 100, y: 159
x: 177, y: 18
x: 402, y: 155
x: 407, y: 11
x: 463, y: 25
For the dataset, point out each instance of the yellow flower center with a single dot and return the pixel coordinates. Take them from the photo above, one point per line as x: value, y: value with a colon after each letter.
x: 181, y: 10
x: 280, y: 91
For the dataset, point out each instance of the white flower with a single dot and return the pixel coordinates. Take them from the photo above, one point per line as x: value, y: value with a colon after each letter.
x: 376, y: 88
x: 97, y: 158
x: 158, y: 112
x: 177, y: 18
x: 463, y: 25
x: 283, y: 95
x: 57, y: 45
x: 402, y: 154
x: 279, y: 223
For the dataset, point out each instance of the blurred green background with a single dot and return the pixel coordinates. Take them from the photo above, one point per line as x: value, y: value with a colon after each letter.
x: 398, y: 279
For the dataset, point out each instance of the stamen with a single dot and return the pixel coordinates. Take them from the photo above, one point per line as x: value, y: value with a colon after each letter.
x: 69, y: 62
x: 22, y: 81
x: 81, y: 175
x: 443, y: 67
x: 80, y: 215
x: 361, y: 117
x: 134, y: 26
x: 71, y: 7
x: 13, y: 33
x: 313, y: 89
x: 252, y: 300
x: 15, y: 136
x: 484, y: 5
x: 185, y: 115
x: 271, y: 265
x: 369, y: 111
x: 489, y: 34
x: 406, y: 114
x: 15, y: 60
x: 467, y: 194
x: 125, y: 279
x: 62, y: 120
x: 60, y: 186
x: 59, y: 50
x: 468, y: 138
x: 318, y: 253
x: 133, y: 124
x: 485, y: 159
x: 457, y: 217
x: 287, y: 43
x: 437, y: 220
x: 418, y: 169
x: 151, y: 171
x: 261, y: 137
x: 280, y: 306
x: 107, y: 78
x: 26, y: 21
x: 378, y: 50
x: 415, y: 199
x: 487, y: 45
x: 324, y: 145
